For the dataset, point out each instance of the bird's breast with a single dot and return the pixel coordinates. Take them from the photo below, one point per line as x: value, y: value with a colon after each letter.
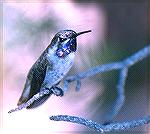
x: 61, y: 66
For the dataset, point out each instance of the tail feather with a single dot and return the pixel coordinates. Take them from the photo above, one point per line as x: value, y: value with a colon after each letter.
x: 36, y: 103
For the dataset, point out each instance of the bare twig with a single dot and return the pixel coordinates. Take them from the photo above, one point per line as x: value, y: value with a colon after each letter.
x: 34, y: 98
x: 100, y: 127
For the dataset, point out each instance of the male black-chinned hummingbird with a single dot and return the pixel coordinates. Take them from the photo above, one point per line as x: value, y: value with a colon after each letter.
x: 51, y: 67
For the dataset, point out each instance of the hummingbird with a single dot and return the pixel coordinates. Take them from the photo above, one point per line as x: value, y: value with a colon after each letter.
x: 51, y: 67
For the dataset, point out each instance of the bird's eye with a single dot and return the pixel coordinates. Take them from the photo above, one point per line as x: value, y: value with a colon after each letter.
x: 62, y: 39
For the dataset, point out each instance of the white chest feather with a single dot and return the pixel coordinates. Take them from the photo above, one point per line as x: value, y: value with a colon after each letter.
x: 61, y: 66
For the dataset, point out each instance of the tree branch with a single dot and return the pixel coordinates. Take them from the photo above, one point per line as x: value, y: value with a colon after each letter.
x: 29, y: 102
x: 102, y: 128
x: 123, y: 66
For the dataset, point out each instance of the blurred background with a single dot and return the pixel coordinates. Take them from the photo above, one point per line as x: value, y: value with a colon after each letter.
x: 119, y: 29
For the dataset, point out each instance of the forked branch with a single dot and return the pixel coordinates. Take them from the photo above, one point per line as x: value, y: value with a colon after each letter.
x: 123, y: 66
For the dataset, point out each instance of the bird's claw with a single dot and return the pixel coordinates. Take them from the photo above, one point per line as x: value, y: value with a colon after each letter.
x: 57, y: 91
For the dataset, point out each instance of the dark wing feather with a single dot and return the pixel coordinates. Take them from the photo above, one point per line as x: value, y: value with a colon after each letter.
x: 34, y: 81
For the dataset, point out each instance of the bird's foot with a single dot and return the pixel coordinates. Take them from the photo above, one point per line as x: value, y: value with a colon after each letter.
x: 57, y: 91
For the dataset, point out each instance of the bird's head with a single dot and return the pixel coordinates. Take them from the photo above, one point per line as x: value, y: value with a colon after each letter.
x: 64, y: 42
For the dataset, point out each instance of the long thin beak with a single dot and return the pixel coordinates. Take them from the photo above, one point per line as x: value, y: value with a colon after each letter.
x: 83, y: 32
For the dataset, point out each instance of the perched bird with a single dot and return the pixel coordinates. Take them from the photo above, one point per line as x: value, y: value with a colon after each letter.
x: 51, y: 67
